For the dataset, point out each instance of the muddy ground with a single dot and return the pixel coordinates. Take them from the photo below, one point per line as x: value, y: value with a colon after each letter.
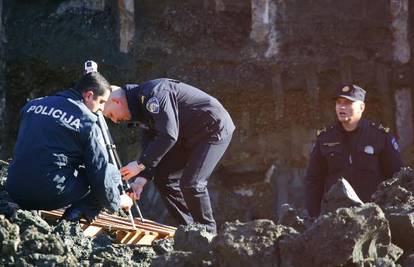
x: 371, y: 234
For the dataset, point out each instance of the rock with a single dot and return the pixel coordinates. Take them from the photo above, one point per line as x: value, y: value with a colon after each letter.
x: 293, y: 218
x: 408, y: 261
x: 194, y: 238
x: 73, y: 238
x: 249, y: 244
x: 42, y: 249
x: 395, y: 197
x: 162, y: 246
x: 26, y: 219
x: 340, y: 195
x: 180, y: 259
x: 402, y: 229
x: 348, y: 235
x: 9, y: 239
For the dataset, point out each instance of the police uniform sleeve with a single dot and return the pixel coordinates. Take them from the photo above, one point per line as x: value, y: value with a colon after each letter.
x: 163, y: 108
x: 314, y: 180
x: 390, y: 159
x: 103, y: 176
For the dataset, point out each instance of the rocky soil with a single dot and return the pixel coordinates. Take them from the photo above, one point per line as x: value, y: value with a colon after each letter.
x: 371, y: 234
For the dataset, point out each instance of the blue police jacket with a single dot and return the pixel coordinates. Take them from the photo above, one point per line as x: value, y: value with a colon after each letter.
x: 174, y: 111
x: 58, y: 142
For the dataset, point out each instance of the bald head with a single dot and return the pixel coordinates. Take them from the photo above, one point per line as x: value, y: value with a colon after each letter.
x: 116, y: 108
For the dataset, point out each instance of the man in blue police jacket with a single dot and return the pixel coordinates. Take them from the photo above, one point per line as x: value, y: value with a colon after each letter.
x: 60, y: 158
x: 189, y: 132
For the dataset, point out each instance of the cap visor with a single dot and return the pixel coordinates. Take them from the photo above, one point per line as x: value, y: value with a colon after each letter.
x: 345, y: 96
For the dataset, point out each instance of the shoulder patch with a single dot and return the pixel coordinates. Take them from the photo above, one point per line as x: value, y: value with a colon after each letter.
x: 153, y: 105
x: 394, y: 144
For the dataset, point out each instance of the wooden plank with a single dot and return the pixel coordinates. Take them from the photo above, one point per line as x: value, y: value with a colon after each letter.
x: 92, y: 230
x: 146, y: 233
x: 147, y: 239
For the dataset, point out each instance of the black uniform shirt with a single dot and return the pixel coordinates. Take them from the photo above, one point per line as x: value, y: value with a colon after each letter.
x: 172, y: 110
x: 364, y: 157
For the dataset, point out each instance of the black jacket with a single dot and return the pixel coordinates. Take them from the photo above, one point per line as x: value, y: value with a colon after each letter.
x: 364, y: 157
x: 174, y: 111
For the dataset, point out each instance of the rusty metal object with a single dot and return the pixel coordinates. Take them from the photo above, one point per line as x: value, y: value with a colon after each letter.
x: 146, y: 231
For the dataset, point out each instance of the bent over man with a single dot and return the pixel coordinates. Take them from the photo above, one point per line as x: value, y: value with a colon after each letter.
x: 60, y: 158
x: 362, y: 152
x: 188, y: 131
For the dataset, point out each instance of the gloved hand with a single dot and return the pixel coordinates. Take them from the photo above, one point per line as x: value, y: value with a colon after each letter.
x: 126, y: 202
x: 137, y: 186
x: 131, y: 170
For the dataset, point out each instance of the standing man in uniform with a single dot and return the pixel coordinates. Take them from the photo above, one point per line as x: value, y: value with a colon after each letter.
x: 60, y: 158
x: 358, y: 150
x: 189, y: 131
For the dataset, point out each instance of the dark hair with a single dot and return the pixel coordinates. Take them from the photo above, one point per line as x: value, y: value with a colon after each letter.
x: 94, y: 82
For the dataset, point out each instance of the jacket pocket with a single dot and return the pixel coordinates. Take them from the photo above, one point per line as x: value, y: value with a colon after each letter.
x: 367, y: 158
x: 335, y: 157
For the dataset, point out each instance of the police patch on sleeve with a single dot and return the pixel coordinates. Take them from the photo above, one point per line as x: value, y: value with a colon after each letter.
x: 394, y: 143
x: 153, y: 105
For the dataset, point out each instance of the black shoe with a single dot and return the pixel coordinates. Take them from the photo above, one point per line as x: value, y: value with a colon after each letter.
x: 72, y: 214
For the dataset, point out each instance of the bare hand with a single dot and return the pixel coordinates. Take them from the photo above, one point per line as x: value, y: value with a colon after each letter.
x: 137, y: 186
x: 131, y: 170
x: 126, y: 202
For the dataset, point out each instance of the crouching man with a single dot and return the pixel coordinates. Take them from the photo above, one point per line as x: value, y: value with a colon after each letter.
x: 60, y: 158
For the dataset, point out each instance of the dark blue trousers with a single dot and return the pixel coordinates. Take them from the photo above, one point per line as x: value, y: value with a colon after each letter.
x: 73, y: 191
x: 182, y: 177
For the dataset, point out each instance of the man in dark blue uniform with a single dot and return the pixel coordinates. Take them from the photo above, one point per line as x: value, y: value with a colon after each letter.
x: 362, y: 152
x: 189, y: 132
x: 60, y: 157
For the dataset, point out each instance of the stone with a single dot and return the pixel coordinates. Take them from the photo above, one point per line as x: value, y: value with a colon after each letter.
x: 348, y: 235
x: 9, y: 237
x: 194, y: 238
x: 252, y: 243
x: 163, y: 246
x: 340, y: 195
x: 293, y: 218
x: 179, y: 259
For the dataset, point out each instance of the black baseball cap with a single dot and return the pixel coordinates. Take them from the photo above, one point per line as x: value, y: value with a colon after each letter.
x: 352, y: 92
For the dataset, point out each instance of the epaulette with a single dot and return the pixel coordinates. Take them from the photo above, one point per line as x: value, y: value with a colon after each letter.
x: 381, y: 127
x: 324, y: 130
x: 320, y: 131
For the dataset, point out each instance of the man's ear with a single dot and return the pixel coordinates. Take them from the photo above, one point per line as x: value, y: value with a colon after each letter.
x: 88, y: 95
x: 116, y: 100
x: 362, y: 107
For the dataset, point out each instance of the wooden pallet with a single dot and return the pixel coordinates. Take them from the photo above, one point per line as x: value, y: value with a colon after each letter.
x: 145, y: 233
